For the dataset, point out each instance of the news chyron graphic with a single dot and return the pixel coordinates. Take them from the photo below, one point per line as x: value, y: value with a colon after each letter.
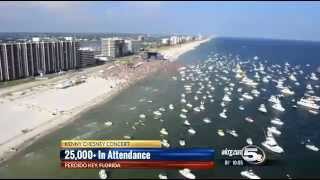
x: 148, y: 154
x: 131, y: 154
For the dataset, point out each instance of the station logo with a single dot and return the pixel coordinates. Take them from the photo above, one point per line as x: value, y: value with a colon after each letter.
x: 251, y: 155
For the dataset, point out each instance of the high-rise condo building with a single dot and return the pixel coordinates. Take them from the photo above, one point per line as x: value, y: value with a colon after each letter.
x: 24, y: 59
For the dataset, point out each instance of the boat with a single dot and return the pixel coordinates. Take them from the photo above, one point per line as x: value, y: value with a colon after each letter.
x: 171, y: 106
x: 274, y: 99
x: 241, y: 108
x: 197, y: 109
x: 186, y: 122
x: 223, y: 114
x: 191, y: 131
x: 157, y: 113
x: 274, y: 130
x: 226, y: 98
x: 232, y: 132
x: 162, y: 176
x: 314, y: 77
x: 278, y: 107
x: 189, y: 105
x: 184, y: 110
x: 271, y: 144
x: 183, y: 100
x: 249, y: 141
x: 182, y: 142
x: 103, y: 174
x: 309, y: 103
x: 287, y: 91
x: 247, y: 96
x: 108, y: 123
x: 262, y: 108
x: 163, y: 131
x: 187, y: 173
x: 249, y: 119
x: 276, y: 121
x: 309, y: 87
x: 142, y: 116
x: 220, y: 132
x: 292, y: 77
x: 249, y: 174
x: 312, y: 147
x: 183, y: 116
x: 207, y: 120
x: 165, y: 143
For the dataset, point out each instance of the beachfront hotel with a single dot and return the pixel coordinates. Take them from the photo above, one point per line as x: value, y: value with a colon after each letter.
x: 86, y: 57
x: 25, y: 59
x: 113, y: 47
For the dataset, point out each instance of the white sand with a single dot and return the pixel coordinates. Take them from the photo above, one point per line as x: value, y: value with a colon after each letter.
x: 34, y: 110
x: 174, y: 52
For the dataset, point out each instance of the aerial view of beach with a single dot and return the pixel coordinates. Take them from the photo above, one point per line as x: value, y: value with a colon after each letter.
x: 159, y: 90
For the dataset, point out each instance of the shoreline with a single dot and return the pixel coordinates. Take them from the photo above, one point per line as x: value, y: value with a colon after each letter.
x: 19, y: 142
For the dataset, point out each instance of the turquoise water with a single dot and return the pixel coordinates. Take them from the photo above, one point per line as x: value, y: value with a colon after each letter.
x: 42, y: 158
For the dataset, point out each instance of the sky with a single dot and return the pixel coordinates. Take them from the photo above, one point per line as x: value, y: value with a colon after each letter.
x: 277, y: 20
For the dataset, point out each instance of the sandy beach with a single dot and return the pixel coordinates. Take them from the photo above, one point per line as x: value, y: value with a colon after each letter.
x: 33, y: 110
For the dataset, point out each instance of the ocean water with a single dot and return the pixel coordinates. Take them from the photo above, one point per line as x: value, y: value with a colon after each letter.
x: 159, y: 90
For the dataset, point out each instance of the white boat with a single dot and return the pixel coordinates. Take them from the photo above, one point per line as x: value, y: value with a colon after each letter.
x: 271, y: 144
x: 162, y: 176
x: 278, y: 107
x: 183, y: 100
x: 187, y: 173
x: 309, y: 103
x: 183, y: 116
x: 157, y: 113
x: 220, y: 132
x: 184, y: 110
x: 274, y: 99
x: 142, y: 116
x: 196, y: 98
x: 182, y: 142
x: 207, y: 120
x: 292, y: 77
x: 223, y: 114
x: 191, y: 131
x: 277, y: 121
x: 232, y: 132
x: 247, y: 96
x: 309, y: 87
x: 108, y: 123
x: 249, y: 174
x: 249, y: 119
x: 163, y: 131
x: 165, y: 143
x: 103, y: 174
x: 241, y: 108
x: 312, y: 147
x: 171, y: 106
x: 186, y: 122
x: 287, y: 91
x: 197, y: 109
x: 314, y: 77
x: 249, y: 141
x: 262, y: 108
x: 226, y: 98
x: 189, y: 105
x: 202, y: 107
x: 313, y: 111
x: 274, y: 130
